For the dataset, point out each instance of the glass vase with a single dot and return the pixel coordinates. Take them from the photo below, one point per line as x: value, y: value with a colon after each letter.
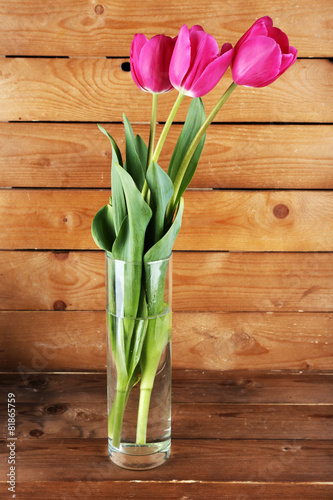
x: 138, y: 311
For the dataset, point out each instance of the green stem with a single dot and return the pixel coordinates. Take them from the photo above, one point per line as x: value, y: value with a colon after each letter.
x: 111, y: 421
x: 167, y: 126
x: 157, y: 337
x: 152, y: 129
x: 143, y: 411
x: 120, y: 403
x: 111, y: 412
x: 151, y: 139
x: 189, y: 153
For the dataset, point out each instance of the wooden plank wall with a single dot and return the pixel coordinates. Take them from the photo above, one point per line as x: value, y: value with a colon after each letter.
x: 253, y: 267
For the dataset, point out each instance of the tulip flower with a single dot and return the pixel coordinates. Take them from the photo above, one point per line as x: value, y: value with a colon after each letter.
x: 261, y: 55
x: 150, y: 60
x: 197, y: 65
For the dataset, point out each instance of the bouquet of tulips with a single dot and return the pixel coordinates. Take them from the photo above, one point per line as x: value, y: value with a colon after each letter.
x: 142, y: 219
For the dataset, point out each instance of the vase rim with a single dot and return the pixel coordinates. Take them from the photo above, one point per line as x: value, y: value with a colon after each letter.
x: 110, y: 256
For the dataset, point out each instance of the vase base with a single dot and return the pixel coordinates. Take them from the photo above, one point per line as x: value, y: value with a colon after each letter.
x: 143, y: 457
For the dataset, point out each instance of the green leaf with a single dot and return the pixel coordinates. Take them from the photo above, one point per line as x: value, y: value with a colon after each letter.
x: 118, y: 198
x: 129, y: 244
x: 163, y: 248
x: 117, y: 340
x: 130, y: 248
x: 103, y: 228
x: 155, y: 275
x: 133, y: 162
x: 161, y: 190
x: 129, y: 278
x: 138, y: 338
x: 142, y: 150
x: 114, y: 145
x: 118, y: 202
x: 157, y: 336
x: 195, y: 117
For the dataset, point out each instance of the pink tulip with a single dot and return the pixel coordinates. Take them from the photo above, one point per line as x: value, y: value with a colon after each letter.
x: 261, y: 55
x: 197, y: 65
x: 150, y: 60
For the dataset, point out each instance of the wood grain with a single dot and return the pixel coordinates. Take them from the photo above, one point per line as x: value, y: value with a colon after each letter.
x: 234, y: 460
x: 189, y: 421
x: 171, y: 490
x: 235, y: 156
x: 302, y: 387
x: 98, y: 90
x: 213, y: 220
x: 233, y: 386
x: 71, y: 340
x: 36, y: 27
x: 253, y: 341
x: 207, y: 282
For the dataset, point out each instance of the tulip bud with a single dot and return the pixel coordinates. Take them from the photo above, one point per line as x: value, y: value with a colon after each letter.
x: 261, y: 55
x: 197, y: 65
x: 150, y: 60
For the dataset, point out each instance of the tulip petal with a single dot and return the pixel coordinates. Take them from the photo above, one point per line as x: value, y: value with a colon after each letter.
x: 257, y: 61
x: 259, y: 28
x: 154, y: 61
x: 280, y: 38
x: 266, y: 20
x: 293, y: 51
x: 196, y: 27
x: 211, y: 75
x: 287, y: 61
x: 181, y: 57
x: 138, y: 42
x: 204, y: 49
x: 225, y: 48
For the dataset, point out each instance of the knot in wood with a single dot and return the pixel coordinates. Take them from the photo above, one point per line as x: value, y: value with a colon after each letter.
x: 36, y: 433
x: 60, y: 255
x: 280, y: 211
x: 99, y: 9
x: 37, y: 383
x: 55, y: 409
x: 59, y: 305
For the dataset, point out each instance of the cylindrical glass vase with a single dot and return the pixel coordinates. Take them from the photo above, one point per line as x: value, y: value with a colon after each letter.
x: 138, y: 310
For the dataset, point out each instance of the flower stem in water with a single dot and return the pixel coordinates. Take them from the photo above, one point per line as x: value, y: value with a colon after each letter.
x: 119, y: 408
x: 141, y: 431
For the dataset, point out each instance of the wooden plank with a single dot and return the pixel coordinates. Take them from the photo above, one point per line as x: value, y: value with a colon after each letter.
x: 191, y: 460
x: 235, y: 156
x: 99, y: 90
x: 189, y: 421
x: 281, y: 285
x: 37, y: 27
x: 213, y: 220
x: 71, y: 340
x: 192, y: 421
x: 274, y: 387
x: 230, y: 281
x: 243, y: 386
x: 173, y: 490
x: 253, y: 341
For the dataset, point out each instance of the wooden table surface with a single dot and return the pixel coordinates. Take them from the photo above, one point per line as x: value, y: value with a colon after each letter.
x: 235, y: 435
